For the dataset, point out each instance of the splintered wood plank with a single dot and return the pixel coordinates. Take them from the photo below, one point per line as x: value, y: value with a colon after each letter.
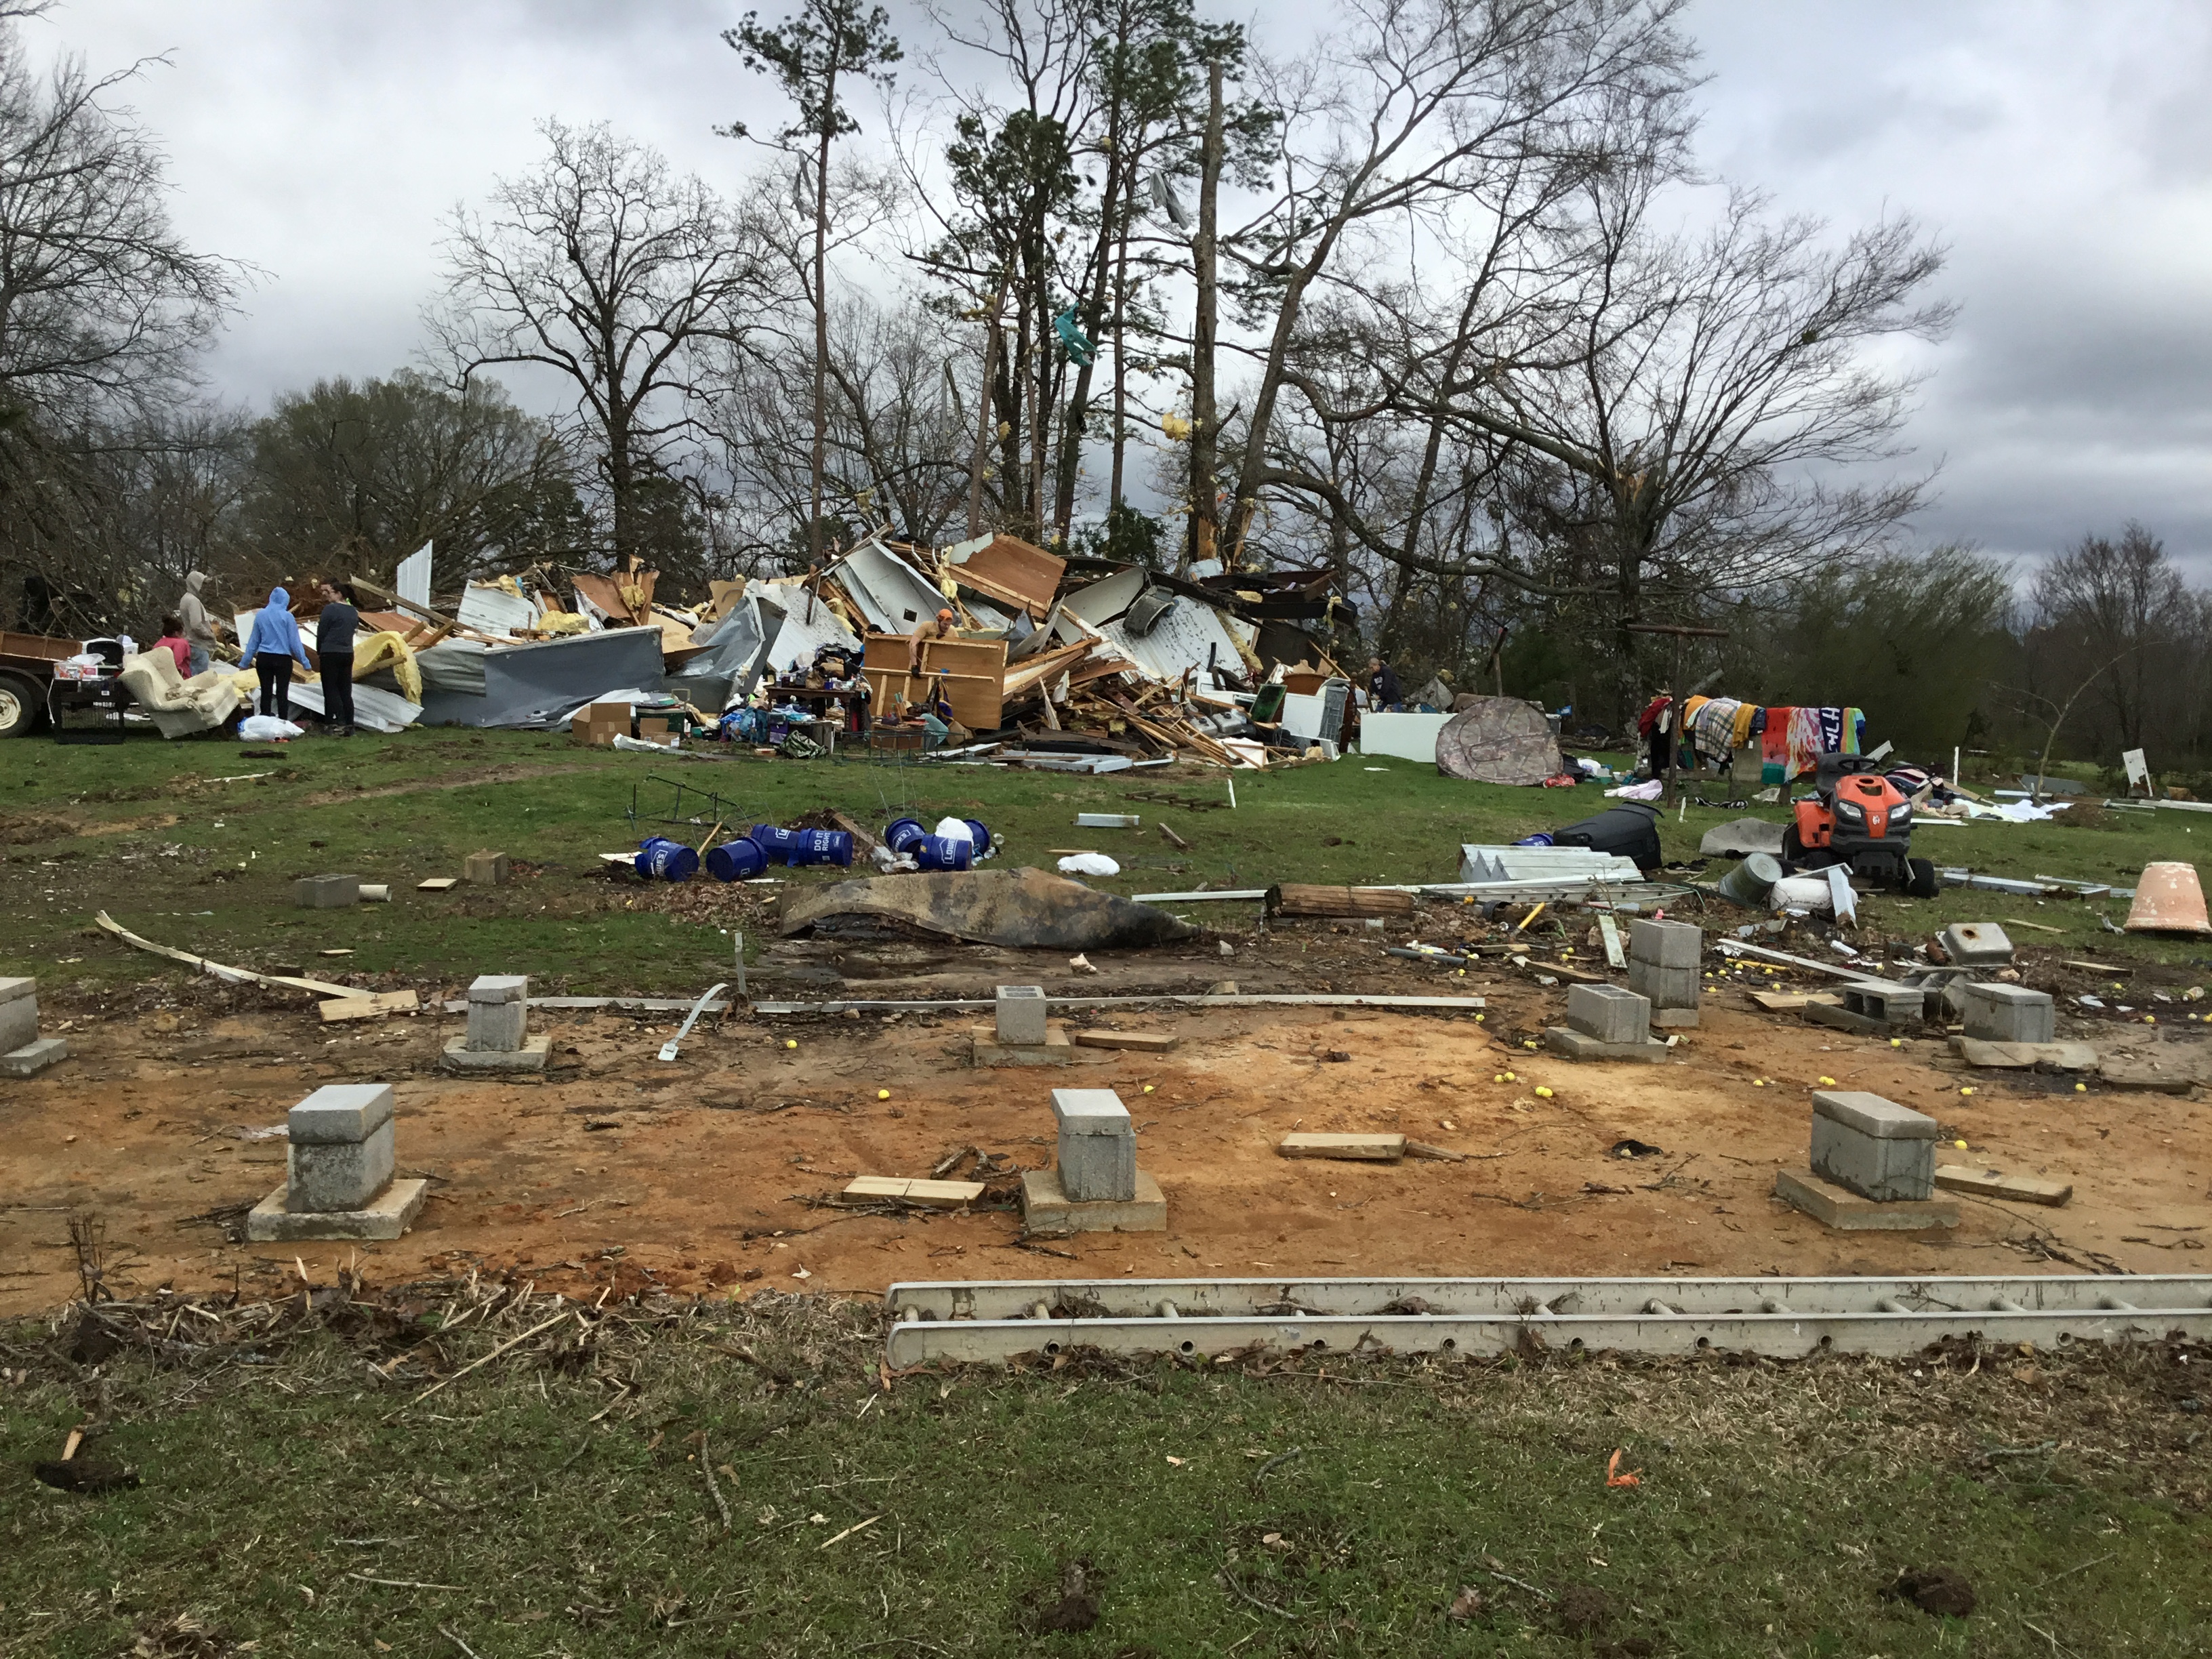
x: 1143, y: 1042
x: 1991, y: 1183
x: 1372, y: 1149
x: 931, y: 1194
x: 368, y: 1006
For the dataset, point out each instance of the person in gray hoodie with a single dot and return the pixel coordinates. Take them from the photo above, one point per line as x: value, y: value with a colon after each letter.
x: 200, y: 634
x: 272, y: 646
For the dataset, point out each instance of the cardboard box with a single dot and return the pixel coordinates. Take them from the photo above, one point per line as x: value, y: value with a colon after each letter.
x: 600, y: 723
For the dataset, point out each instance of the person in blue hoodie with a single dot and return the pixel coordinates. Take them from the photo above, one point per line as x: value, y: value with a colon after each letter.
x: 272, y: 646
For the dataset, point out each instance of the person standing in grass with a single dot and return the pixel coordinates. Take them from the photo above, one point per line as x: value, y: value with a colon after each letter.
x: 272, y: 644
x: 334, y: 633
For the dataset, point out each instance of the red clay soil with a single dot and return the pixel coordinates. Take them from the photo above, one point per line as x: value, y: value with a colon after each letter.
x: 619, y: 1171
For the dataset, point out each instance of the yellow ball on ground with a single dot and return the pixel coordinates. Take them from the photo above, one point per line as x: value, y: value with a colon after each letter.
x: 1828, y: 1083
x: 1148, y: 1088
x: 1542, y: 1093
x: 791, y: 1042
x: 1967, y: 1090
x: 883, y: 1094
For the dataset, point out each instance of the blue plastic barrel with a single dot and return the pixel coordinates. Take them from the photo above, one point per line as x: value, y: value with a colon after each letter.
x: 659, y: 859
x: 821, y: 847
x: 941, y: 853
x: 983, y: 838
x: 773, y: 840
x: 902, y: 834
x: 736, y: 861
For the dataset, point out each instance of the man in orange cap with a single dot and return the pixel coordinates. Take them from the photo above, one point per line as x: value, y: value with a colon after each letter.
x: 938, y: 627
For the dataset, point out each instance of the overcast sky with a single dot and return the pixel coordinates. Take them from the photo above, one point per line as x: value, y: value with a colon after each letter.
x: 2061, y: 151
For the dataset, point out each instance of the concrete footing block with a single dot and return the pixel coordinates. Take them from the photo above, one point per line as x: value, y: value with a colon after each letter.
x: 339, y: 1175
x: 1580, y: 1045
x: 1055, y: 1050
x: 1665, y: 944
x: 1022, y: 1014
x: 1046, y: 1208
x: 532, y: 1056
x: 19, y: 1019
x: 1845, y: 1211
x: 387, y: 1215
x: 485, y: 869
x: 33, y: 1058
x: 1977, y: 944
x: 326, y: 892
x: 2009, y: 1014
x: 1664, y: 987
x: 1873, y: 1147
x: 1609, y: 1013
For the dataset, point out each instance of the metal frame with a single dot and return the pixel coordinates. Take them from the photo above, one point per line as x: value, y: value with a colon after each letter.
x: 1784, y: 1318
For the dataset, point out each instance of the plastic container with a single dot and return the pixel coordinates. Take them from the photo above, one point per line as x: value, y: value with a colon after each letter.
x: 941, y: 853
x: 738, y: 860
x: 984, y: 846
x: 804, y: 847
x: 659, y: 859
x: 902, y: 833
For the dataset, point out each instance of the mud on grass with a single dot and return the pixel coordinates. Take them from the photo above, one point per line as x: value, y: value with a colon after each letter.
x: 686, y: 1477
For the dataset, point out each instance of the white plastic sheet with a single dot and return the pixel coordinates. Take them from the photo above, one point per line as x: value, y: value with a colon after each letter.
x: 1089, y: 864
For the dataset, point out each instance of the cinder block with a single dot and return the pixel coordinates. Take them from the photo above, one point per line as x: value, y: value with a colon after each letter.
x: 33, y: 1058
x: 1891, y: 1004
x: 500, y: 988
x: 1022, y: 1014
x: 530, y: 1056
x: 1665, y: 944
x: 19, y: 1023
x: 1581, y: 1045
x: 1998, y: 1013
x: 1097, y: 1146
x: 13, y: 990
x: 498, y: 1013
x: 485, y: 869
x: 1663, y: 988
x: 1046, y: 1209
x: 328, y: 1175
x: 387, y: 1215
x: 1977, y: 944
x: 1609, y: 1013
x: 1099, y: 1169
x: 338, y: 1113
x: 1873, y: 1147
x: 326, y: 892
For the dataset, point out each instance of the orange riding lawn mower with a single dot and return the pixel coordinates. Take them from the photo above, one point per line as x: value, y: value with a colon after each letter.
x: 1857, y: 818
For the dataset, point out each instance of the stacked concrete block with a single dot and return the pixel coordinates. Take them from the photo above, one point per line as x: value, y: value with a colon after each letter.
x: 1977, y: 944
x: 2009, y: 1014
x: 1879, y: 999
x: 1096, y: 1186
x: 326, y: 892
x: 498, y: 1038
x: 23, y: 1051
x: 1663, y: 968
x: 339, y: 1174
x: 1022, y: 1014
x: 1097, y: 1146
x: 1873, y: 1147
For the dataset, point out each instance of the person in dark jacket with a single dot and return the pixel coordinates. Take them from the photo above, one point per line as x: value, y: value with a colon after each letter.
x: 334, y: 632
x: 1382, y: 691
x: 272, y: 644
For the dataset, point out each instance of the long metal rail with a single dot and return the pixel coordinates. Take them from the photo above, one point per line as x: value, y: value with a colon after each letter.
x: 989, y: 1320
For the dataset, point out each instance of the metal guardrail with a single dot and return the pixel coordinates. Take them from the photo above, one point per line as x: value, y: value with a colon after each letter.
x: 1784, y: 1318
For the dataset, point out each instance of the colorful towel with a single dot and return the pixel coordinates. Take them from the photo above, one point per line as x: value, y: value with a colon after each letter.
x: 1714, y: 728
x: 1805, y: 739
x: 1746, y: 713
x: 1774, y: 748
x: 1854, y: 731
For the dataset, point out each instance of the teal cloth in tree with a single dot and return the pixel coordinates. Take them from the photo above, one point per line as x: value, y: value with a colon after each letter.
x: 1071, y: 338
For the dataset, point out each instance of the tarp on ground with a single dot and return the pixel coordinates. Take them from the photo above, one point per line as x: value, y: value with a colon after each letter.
x: 1740, y: 838
x: 1019, y: 909
x: 540, y: 685
x: 1500, y: 740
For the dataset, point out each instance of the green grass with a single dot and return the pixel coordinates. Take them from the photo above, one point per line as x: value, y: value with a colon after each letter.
x: 1775, y: 1501
x: 217, y: 879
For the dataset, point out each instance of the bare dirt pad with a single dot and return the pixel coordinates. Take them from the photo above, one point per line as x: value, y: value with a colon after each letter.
x: 718, y: 1170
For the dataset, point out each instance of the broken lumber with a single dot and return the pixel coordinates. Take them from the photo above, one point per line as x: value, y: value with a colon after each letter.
x: 929, y: 1194
x: 1365, y: 1149
x: 1173, y: 839
x: 1302, y: 899
x: 1443, y: 1154
x: 1990, y: 1183
x: 235, y: 975
x: 1786, y: 1002
x: 1143, y: 1042
x: 374, y: 1005
x: 444, y: 883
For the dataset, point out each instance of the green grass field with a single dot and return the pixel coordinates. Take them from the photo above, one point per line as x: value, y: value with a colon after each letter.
x: 553, y: 1503
x: 145, y: 830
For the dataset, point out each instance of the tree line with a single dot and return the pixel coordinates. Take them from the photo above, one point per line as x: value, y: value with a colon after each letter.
x: 1440, y: 301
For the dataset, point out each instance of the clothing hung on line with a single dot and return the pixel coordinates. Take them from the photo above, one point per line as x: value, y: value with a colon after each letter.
x: 1795, y: 737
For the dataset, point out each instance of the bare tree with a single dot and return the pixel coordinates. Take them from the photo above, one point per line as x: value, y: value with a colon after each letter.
x: 2124, y: 605
x: 617, y: 275
x: 821, y: 55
